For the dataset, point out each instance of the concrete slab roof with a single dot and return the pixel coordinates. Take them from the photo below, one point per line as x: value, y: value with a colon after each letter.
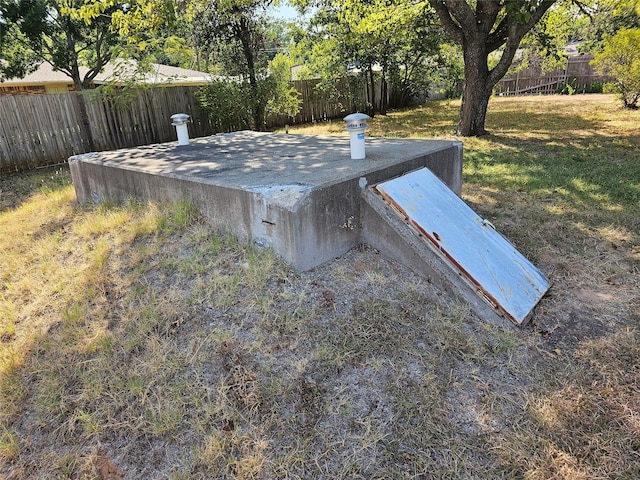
x: 252, y: 160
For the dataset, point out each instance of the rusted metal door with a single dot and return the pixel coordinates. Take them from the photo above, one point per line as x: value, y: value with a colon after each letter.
x: 488, y: 262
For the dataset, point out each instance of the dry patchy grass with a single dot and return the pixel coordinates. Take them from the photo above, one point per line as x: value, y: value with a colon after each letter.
x: 137, y: 342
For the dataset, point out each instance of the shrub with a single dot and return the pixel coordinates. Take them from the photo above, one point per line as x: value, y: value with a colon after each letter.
x: 569, y: 87
x: 228, y: 103
x: 284, y: 99
x: 595, y: 87
x: 620, y: 59
x: 232, y: 103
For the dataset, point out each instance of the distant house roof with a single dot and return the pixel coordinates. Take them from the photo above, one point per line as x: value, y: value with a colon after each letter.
x: 115, y: 71
x: 159, y: 74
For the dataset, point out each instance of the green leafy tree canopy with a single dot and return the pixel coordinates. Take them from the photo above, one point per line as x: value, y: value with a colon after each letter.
x: 67, y: 35
x: 385, y: 41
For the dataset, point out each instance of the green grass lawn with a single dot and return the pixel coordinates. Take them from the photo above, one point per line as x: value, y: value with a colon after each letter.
x: 138, y: 342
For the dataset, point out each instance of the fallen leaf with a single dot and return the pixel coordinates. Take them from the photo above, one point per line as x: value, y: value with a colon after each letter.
x: 328, y: 298
x: 228, y: 427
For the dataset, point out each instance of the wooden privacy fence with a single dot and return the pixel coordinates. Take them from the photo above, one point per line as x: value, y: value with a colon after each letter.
x: 146, y: 119
x: 317, y: 106
x: 41, y: 130
x: 578, y: 72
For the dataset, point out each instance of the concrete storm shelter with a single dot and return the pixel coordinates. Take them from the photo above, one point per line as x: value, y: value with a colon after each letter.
x: 307, y: 199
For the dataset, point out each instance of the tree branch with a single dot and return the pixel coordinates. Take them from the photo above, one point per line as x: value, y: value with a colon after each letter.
x: 515, y: 32
x: 462, y: 13
x: 448, y: 23
x: 584, y: 9
x: 486, y: 15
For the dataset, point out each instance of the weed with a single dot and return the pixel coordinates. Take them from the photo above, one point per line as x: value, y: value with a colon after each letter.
x: 90, y: 425
x: 164, y: 416
x: 13, y: 388
x: 181, y: 214
x: 9, y: 445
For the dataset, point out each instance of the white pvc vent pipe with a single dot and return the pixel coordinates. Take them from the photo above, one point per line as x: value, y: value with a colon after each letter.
x: 180, y: 121
x: 356, y: 125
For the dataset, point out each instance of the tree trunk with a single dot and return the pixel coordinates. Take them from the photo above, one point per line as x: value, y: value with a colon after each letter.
x: 81, y: 106
x: 243, y: 33
x: 384, y: 103
x: 80, y: 85
x: 372, y: 98
x: 476, y: 92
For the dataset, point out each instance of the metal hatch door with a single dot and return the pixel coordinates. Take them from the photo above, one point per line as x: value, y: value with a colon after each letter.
x: 491, y: 265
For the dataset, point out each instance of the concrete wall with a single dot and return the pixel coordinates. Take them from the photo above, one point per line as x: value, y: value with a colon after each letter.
x: 306, y: 224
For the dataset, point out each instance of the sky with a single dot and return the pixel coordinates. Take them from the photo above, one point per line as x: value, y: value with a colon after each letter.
x: 285, y: 11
